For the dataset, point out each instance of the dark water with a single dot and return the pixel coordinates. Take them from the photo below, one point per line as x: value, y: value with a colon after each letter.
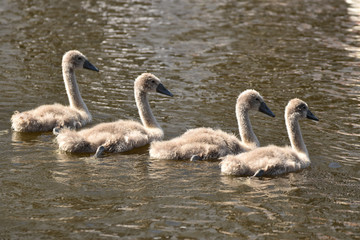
x: 206, y: 53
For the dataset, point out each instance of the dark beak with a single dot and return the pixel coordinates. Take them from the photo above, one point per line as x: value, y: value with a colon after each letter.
x: 89, y: 66
x: 311, y: 116
x: 264, y: 109
x: 161, y: 89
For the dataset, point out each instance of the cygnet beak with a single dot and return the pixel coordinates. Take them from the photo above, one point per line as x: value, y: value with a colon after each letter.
x: 161, y: 89
x: 89, y: 66
x: 264, y: 109
x: 311, y: 116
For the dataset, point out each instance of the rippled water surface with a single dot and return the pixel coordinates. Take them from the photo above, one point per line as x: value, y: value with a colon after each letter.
x: 206, y: 53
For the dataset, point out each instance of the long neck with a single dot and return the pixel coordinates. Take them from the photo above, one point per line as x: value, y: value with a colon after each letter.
x: 247, y: 134
x: 146, y: 115
x: 295, y: 136
x: 72, y: 90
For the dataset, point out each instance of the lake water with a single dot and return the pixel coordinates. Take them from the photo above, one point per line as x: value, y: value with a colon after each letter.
x: 206, y: 53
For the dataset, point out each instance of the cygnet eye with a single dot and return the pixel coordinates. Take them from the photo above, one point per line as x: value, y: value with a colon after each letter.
x: 153, y: 81
x: 257, y: 99
x: 302, y: 107
x: 79, y: 58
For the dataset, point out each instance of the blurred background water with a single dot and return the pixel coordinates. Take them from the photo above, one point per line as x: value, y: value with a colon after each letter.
x: 206, y: 53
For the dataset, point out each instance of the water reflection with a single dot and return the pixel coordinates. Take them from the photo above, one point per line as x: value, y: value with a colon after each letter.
x: 206, y: 53
x: 354, y: 27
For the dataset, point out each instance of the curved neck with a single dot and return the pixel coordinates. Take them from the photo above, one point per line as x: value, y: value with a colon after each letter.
x: 247, y: 134
x: 295, y: 136
x: 72, y: 90
x: 146, y: 115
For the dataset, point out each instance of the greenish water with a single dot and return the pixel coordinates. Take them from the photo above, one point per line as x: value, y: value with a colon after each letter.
x: 206, y: 53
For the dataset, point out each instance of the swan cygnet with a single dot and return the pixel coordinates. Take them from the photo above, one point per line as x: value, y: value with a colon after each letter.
x: 207, y: 143
x: 121, y: 135
x: 273, y: 160
x: 47, y: 117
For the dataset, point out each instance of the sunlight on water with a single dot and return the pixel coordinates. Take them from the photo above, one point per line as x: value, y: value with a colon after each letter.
x: 205, y: 53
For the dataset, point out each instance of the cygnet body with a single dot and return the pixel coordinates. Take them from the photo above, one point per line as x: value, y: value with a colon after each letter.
x: 122, y: 135
x: 273, y: 160
x: 207, y: 143
x: 47, y: 117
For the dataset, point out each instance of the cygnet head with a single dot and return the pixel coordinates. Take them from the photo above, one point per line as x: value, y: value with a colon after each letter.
x: 252, y: 100
x: 297, y: 108
x: 74, y: 59
x: 148, y: 82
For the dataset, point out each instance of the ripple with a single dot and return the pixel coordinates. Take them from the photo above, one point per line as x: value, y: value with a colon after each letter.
x: 206, y: 53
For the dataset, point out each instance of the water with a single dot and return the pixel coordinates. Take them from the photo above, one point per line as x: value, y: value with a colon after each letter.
x: 206, y: 53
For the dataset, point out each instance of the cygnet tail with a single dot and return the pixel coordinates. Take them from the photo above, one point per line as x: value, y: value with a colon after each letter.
x: 71, y: 141
x: 230, y: 165
x: 26, y: 122
x: 163, y: 150
x: 19, y: 122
